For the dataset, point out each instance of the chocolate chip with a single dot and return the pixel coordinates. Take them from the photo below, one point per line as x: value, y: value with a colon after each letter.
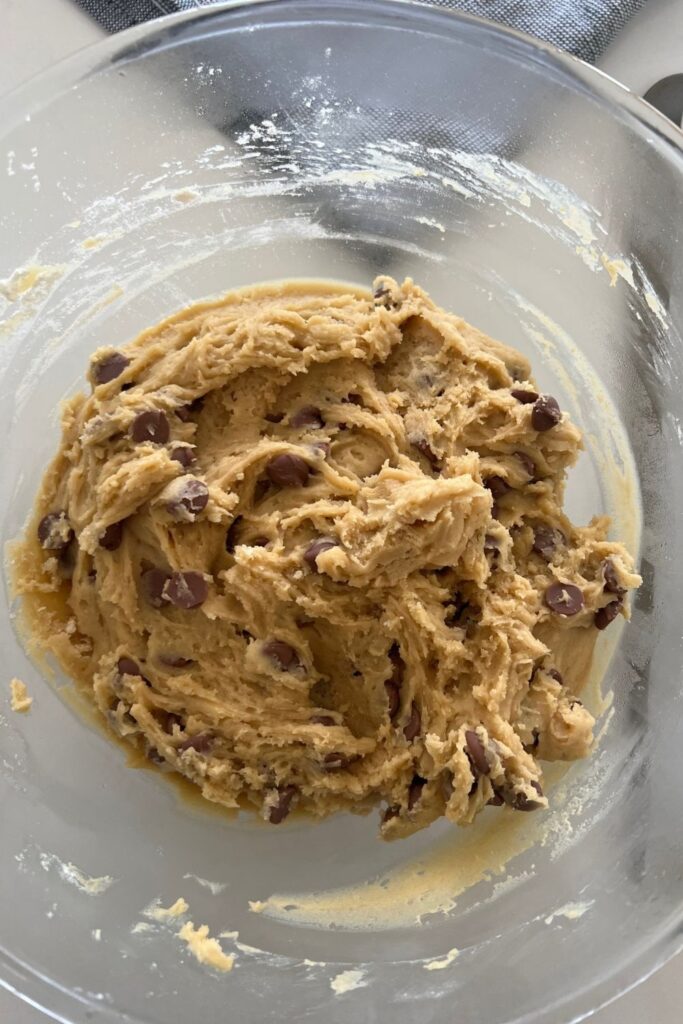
x: 524, y: 396
x: 497, y: 486
x: 231, y: 535
x: 490, y: 545
x: 476, y: 751
x: 186, y: 412
x: 308, y: 416
x: 521, y: 802
x: 414, y: 724
x: 528, y: 464
x: 563, y: 598
x: 545, y: 414
x: 155, y: 757
x: 112, y: 537
x: 201, y: 743
x: 187, y: 497
x: 430, y: 455
x: 288, y: 471
x: 175, y: 660
x: 353, y: 399
x: 166, y: 719
x: 415, y: 788
x: 109, y: 367
x: 323, y: 720
x: 184, y: 454
x: 546, y: 540
x: 125, y: 666
x: 283, y: 656
x: 285, y: 796
x: 391, y: 812
x: 152, y: 582
x: 54, y: 531
x: 336, y: 761
x: 274, y: 417
x: 535, y: 740
x: 186, y: 589
x: 554, y: 674
x: 316, y: 548
x: 150, y: 425
x: 321, y: 448
x: 604, y: 616
x: 496, y: 800
x: 610, y: 579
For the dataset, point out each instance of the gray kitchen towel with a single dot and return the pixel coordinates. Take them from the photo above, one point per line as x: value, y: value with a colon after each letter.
x: 582, y: 27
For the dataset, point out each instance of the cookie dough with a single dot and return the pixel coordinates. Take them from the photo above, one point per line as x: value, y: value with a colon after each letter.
x: 305, y: 545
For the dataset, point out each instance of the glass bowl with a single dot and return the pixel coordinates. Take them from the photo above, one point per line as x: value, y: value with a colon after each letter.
x: 544, y: 203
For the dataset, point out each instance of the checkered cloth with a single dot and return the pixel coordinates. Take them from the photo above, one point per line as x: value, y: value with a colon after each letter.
x: 582, y: 27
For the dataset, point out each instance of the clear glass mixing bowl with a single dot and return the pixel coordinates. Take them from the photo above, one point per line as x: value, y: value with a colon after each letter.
x: 541, y: 201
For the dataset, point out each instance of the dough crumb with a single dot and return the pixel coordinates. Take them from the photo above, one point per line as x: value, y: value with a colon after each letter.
x: 205, y: 949
x: 347, y: 981
x: 20, y: 700
x: 445, y: 961
x: 158, y: 913
x: 257, y: 906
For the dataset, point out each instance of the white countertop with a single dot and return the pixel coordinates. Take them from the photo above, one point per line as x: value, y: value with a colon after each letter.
x: 37, y: 33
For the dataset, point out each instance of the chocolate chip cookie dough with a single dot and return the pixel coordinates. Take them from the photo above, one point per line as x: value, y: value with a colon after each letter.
x: 305, y: 545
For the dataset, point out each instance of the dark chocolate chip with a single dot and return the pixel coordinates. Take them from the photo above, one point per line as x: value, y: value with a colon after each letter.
x: 308, y: 416
x: 497, y: 486
x: 496, y: 800
x: 189, y: 497
x: 281, y: 809
x: 546, y: 540
x: 393, y: 699
x: 528, y: 464
x: 155, y: 757
x: 127, y: 667
x: 321, y: 446
x: 231, y: 535
x: 186, y: 589
x: 524, y: 396
x: 610, y: 579
x: 415, y: 790
x: 427, y: 451
x: 67, y: 558
x: 604, y: 616
x: 323, y: 720
x: 490, y: 545
x: 274, y: 417
x: 54, y: 531
x: 476, y: 751
x: 186, y: 412
x: 175, y: 660
x: 535, y: 740
x: 316, y: 548
x: 353, y: 399
x: 152, y: 582
x: 184, y: 454
x: 201, y: 743
x: 414, y: 724
x: 521, y: 802
x: 563, y: 598
x: 391, y: 812
x: 109, y: 367
x: 337, y: 761
x: 288, y: 471
x: 545, y: 414
x: 554, y: 674
x: 283, y: 656
x: 112, y: 537
x: 150, y: 425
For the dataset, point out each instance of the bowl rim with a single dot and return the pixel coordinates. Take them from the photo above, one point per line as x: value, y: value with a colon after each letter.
x: 26, y: 981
